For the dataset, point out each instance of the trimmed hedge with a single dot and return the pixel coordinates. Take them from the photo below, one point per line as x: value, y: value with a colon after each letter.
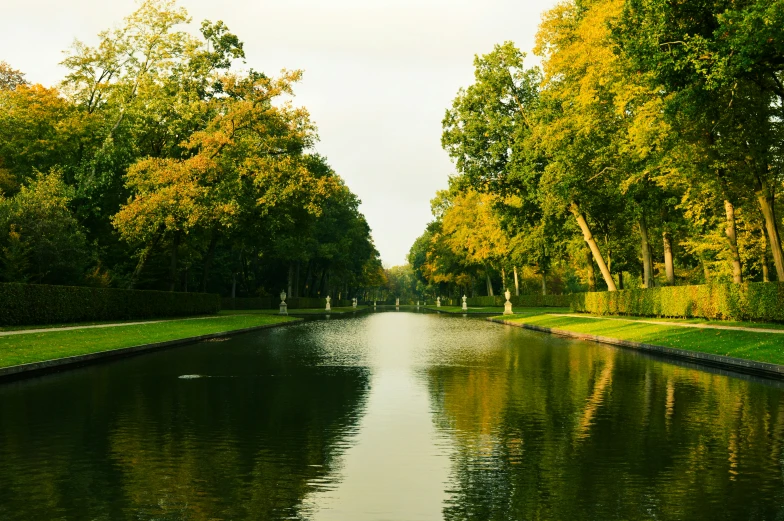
x: 274, y: 303
x: 536, y: 300
x: 752, y: 301
x: 28, y: 304
x: 249, y: 303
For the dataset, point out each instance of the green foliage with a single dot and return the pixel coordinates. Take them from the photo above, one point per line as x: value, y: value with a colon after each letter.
x: 758, y: 301
x: 526, y: 301
x: 40, y: 239
x: 27, y: 304
x: 176, y: 170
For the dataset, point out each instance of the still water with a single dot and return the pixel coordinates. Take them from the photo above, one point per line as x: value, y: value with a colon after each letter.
x: 392, y: 416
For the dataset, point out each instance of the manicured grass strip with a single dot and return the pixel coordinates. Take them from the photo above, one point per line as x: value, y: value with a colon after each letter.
x: 761, y: 325
x: 50, y: 345
x: 760, y: 347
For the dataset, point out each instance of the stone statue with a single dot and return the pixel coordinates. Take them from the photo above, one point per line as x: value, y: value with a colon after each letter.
x: 354, y: 302
x: 284, y: 308
x: 417, y: 304
x: 508, y: 304
x: 397, y: 302
x: 438, y: 302
x: 465, y: 303
x: 330, y: 309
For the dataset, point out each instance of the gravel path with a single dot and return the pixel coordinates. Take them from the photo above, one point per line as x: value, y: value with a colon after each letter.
x: 98, y: 326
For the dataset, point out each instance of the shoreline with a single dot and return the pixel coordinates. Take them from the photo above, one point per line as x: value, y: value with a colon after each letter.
x: 737, y: 365
x: 32, y: 369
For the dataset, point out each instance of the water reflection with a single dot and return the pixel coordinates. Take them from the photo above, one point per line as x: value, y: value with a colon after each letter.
x: 394, y: 415
x: 130, y: 440
x: 573, y: 430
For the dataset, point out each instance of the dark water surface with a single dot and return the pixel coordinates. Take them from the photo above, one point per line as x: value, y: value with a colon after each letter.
x: 392, y: 416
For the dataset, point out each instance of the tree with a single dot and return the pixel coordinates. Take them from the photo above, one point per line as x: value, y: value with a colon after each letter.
x: 40, y: 239
x: 10, y: 78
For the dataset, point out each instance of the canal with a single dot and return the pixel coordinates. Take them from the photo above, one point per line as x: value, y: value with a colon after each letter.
x: 392, y: 416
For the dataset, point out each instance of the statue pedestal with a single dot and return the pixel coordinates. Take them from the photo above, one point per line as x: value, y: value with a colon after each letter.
x: 508, y: 308
x: 465, y: 306
x: 284, y: 308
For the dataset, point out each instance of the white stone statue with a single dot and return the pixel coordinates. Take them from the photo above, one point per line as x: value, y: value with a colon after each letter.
x: 508, y: 304
x: 417, y: 304
x: 374, y: 304
x: 354, y: 302
x: 465, y: 303
x: 438, y: 302
x: 328, y: 301
x: 397, y: 302
x: 284, y: 308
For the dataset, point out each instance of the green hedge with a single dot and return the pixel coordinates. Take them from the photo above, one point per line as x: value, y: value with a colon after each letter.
x: 524, y: 301
x: 274, y: 303
x: 756, y: 301
x: 28, y: 304
x: 249, y: 303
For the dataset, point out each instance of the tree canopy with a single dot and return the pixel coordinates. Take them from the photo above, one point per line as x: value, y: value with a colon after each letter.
x: 166, y: 164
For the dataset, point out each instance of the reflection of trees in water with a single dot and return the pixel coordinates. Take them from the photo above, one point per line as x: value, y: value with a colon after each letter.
x: 248, y: 447
x: 589, y: 432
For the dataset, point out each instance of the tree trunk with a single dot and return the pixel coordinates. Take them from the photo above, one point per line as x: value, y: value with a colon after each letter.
x: 544, y: 283
x: 669, y: 266
x: 517, y: 284
x: 173, y: 272
x: 321, y: 283
x: 208, y: 260
x: 503, y: 279
x: 489, y: 284
x: 705, y: 270
x: 597, y: 255
x: 765, y: 248
x: 308, y: 274
x: 291, y: 278
x: 646, y: 253
x: 766, y: 205
x: 620, y: 280
x: 732, y: 239
x: 233, y: 285
x: 296, y: 282
x: 591, y: 270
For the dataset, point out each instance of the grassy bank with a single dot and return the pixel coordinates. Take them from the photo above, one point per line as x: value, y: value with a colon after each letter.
x: 760, y: 347
x: 36, y: 347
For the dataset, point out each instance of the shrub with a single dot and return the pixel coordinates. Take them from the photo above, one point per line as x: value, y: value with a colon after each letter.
x: 27, y: 304
x: 274, y: 303
x: 536, y: 300
x: 755, y: 301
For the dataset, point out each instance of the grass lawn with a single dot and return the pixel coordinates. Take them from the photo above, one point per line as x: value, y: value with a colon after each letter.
x: 761, y: 347
x: 36, y: 347
x: 311, y: 311
x: 761, y: 325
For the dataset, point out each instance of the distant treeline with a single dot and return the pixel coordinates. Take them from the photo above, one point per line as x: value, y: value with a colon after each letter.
x: 646, y: 151
x: 156, y: 164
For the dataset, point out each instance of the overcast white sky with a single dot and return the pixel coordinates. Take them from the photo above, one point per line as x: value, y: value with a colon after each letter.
x: 379, y: 75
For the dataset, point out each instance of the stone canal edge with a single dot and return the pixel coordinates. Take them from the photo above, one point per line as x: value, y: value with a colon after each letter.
x: 48, y: 366
x: 738, y: 365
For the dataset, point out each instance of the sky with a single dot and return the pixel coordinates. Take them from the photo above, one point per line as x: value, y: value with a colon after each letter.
x: 379, y: 75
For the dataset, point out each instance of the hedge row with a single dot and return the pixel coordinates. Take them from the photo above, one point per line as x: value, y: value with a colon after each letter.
x: 524, y: 301
x: 756, y: 301
x: 274, y: 303
x: 28, y: 304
